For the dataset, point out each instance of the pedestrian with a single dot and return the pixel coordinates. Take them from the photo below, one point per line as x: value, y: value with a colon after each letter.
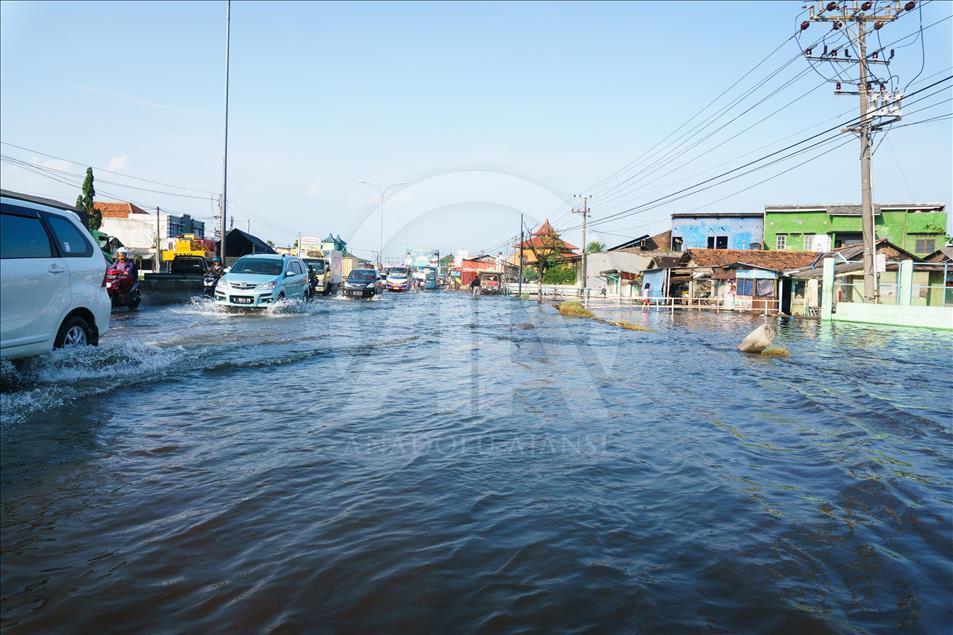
x: 645, y: 296
x: 475, y: 287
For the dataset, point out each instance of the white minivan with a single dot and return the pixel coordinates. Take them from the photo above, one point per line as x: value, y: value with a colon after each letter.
x: 52, y: 278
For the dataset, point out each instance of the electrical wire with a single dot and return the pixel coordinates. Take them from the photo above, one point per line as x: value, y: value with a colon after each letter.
x: 708, y: 181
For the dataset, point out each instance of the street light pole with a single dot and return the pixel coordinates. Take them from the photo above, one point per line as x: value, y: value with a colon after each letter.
x: 383, y: 192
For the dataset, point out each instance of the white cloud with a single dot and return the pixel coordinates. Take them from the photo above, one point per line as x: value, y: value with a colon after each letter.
x: 53, y: 164
x: 118, y: 162
x: 313, y: 190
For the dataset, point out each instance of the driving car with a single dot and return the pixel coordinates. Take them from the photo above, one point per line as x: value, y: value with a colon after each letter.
x: 362, y: 283
x: 398, y: 279
x: 52, y: 278
x: 261, y: 280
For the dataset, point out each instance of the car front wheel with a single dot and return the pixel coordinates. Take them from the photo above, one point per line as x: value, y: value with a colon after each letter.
x: 76, y: 331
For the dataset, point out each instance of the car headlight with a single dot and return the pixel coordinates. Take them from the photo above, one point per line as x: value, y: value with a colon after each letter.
x: 267, y: 285
x: 222, y: 282
x: 370, y: 285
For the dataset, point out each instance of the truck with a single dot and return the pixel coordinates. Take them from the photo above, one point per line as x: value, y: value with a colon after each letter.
x: 188, y: 245
x: 324, y: 271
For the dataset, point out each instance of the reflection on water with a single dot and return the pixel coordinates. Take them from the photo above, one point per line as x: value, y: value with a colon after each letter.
x: 427, y: 462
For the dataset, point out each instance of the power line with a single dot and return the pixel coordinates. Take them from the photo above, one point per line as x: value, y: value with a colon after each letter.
x: 758, y: 160
x: 98, y: 169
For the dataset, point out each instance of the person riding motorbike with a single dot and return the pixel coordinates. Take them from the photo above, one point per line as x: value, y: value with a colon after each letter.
x: 217, y: 268
x: 213, y: 275
x: 126, y: 267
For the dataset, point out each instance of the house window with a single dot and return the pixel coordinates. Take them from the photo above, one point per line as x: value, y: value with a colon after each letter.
x: 809, y: 242
x: 676, y: 243
x: 745, y: 286
x: 718, y: 242
x: 781, y: 241
x: 925, y: 245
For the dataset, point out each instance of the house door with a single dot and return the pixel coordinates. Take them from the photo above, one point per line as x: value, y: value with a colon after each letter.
x: 785, y: 294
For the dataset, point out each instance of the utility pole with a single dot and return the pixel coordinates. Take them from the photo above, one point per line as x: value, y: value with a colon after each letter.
x: 248, y: 225
x: 584, y: 210
x: 158, y: 244
x: 887, y: 110
x: 520, y: 285
x: 228, y: 21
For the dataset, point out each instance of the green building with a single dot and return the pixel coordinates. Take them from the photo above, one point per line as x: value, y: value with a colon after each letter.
x: 918, y: 228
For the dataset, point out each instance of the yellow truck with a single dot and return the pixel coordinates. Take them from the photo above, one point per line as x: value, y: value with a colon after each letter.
x: 187, y: 245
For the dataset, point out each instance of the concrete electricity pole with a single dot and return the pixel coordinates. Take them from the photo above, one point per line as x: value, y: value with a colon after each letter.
x: 520, y: 285
x: 228, y: 21
x: 158, y: 245
x: 584, y: 210
x: 841, y: 14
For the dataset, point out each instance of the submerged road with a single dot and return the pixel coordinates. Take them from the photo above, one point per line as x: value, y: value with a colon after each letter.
x: 429, y: 463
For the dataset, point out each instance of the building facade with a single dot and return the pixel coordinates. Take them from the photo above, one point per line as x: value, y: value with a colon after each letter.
x: 727, y: 230
x: 918, y: 228
x: 137, y: 229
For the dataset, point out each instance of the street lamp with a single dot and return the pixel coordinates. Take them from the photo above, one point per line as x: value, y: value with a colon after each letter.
x: 380, y: 254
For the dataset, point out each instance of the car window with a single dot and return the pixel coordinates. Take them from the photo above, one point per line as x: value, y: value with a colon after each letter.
x: 22, y: 237
x: 263, y: 266
x: 296, y: 267
x: 69, y: 238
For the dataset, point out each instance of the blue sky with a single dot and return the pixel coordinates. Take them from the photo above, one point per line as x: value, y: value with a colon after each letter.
x: 484, y: 109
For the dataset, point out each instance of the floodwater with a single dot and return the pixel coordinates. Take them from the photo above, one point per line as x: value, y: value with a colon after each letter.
x: 430, y: 463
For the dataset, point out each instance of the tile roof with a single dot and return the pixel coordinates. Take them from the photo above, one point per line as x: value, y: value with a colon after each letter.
x: 773, y: 260
x: 120, y: 209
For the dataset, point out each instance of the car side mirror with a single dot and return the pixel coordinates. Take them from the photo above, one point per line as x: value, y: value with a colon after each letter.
x: 226, y: 269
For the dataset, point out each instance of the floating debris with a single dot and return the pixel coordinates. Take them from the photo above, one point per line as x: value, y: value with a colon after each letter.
x: 776, y: 351
x: 575, y: 309
x: 758, y: 339
x: 632, y: 326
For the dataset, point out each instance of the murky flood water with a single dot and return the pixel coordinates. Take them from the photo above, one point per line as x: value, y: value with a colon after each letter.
x: 429, y: 463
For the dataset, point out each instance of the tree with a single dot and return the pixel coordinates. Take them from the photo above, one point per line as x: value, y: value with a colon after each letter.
x: 84, y: 202
x: 595, y: 247
x: 270, y: 243
x: 547, y: 249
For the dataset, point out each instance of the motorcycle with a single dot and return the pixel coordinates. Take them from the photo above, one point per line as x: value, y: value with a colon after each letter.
x: 119, y: 295
x: 210, y: 282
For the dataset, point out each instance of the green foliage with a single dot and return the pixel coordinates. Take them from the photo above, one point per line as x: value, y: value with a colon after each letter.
x: 776, y: 351
x: 84, y: 202
x: 564, y: 273
x: 595, y: 247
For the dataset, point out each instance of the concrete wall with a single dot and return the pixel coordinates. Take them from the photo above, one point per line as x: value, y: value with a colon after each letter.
x: 138, y: 230
x: 935, y: 317
x: 741, y: 232
x: 605, y: 261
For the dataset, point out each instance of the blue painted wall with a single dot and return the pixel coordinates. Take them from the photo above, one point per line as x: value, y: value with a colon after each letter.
x: 741, y: 232
x: 656, y: 280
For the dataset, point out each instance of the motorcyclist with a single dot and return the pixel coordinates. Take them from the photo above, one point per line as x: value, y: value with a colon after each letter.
x: 123, y: 265
x: 215, y: 273
x: 217, y: 269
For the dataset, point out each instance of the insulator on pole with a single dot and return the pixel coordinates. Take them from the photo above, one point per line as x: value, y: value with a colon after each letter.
x: 804, y: 25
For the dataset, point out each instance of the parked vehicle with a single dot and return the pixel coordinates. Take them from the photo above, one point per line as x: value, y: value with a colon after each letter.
x: 261, y: 280
x: 398, y: 279
x: 324, y: 273
x: 52, y: 278
x: 489, y: 282
x: 362, y: 283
